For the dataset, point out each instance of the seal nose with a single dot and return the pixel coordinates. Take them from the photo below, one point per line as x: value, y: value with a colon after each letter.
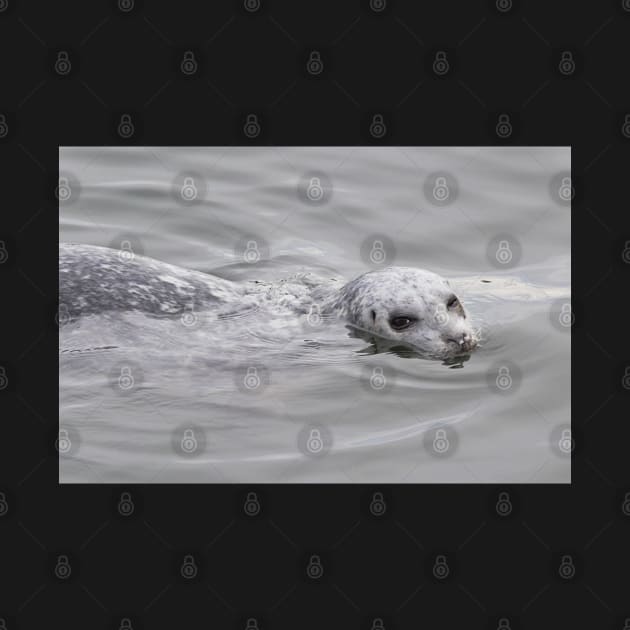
x: 465, y: 342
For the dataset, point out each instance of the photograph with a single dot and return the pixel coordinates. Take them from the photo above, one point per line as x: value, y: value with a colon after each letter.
x: 300, y: 314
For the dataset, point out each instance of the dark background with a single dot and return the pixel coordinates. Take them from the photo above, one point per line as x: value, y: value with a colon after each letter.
x: 503, y: 58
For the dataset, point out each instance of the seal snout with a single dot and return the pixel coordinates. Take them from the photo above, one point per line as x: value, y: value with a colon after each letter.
x: 465, y: 342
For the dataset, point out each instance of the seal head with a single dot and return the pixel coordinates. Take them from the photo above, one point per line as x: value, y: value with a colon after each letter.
x: 412, y: 307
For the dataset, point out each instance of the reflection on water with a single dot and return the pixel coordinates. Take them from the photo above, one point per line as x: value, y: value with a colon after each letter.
x: 260, y: 395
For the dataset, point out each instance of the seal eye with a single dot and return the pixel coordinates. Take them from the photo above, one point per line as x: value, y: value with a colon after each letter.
x: 402, y: 322
x: 452, y: 302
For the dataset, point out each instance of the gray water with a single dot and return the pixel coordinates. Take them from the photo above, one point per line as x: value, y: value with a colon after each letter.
x: 261, y: 397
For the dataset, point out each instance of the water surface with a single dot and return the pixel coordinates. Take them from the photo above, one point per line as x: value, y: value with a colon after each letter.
x: 245, y: 398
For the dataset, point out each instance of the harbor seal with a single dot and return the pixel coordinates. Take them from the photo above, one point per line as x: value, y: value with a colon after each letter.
x: 402, y: 305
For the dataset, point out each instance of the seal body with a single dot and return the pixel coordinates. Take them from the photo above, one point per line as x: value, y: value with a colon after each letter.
x: 95, y: 280
x: 407, y: 306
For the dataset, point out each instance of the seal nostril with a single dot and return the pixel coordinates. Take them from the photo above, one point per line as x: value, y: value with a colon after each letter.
x: 465, y: 342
